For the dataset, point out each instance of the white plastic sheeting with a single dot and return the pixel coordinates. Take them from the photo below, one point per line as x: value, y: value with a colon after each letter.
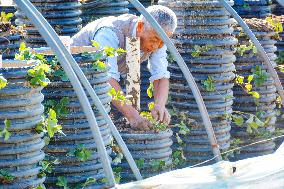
x: 264, y: 172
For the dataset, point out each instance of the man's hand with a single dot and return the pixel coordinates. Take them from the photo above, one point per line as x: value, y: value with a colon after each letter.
x: 160, y: 113
x: 140, y: 123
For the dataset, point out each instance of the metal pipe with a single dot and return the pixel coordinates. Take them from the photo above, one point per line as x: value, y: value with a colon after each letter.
x: 281, y: 2
x: 189, y: 78
x: 260, y: 49
x: 65, y: 58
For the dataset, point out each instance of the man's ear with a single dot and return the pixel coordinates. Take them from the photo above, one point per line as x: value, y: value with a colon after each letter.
x: 140, y: 26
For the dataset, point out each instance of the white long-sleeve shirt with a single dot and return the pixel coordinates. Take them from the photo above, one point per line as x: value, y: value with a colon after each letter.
x: 157, y: 63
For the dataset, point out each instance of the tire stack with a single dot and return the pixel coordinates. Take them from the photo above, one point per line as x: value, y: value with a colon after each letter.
x: 277, y: 9
x: 95, y: 9
x: 253, y: 9
x: 264, y: 109
x: 148, y: 147
x: 21, y: 153
x: 145, y: 3
x: 77, y: 129
x: 280, y: 53
x: 203, y: 23
x: 63, y: 16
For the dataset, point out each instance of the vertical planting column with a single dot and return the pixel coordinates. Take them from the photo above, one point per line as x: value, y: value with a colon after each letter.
x: 151, y: 151
x: 77, y: 151
x: 20, y: 145
x: 94, y: 9
x: 63, y: 16
x: 204, y: 39
x: 253, y: 9
x: 254, y: 115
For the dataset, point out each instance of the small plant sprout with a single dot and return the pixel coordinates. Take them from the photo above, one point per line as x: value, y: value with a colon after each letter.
x: 37, y: 75
x: 198, y: 50
x: 81, y: 153
x: 60, y: 107
x: 247, y: 86
x: 178, y: 158
x: 157, y: 165
x: 118, y: 96
x: 62, y: 181
x: 140, y: 163
x: 242, y: 49
x: 50, y: 125
x: 3, y: 82
x: 5, y: 132
x: 6, y: 177
x: 277, y: 26
x: 6, y: 17
x: 260, y: 76
x: 47, y: 167
x: 209, y: 84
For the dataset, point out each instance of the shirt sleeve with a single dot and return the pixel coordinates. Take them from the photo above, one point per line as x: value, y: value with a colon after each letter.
x: 158, y: 64
x: 107, y: 37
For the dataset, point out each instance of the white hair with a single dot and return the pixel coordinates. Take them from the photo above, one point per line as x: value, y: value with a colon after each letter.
x: 163, y: 15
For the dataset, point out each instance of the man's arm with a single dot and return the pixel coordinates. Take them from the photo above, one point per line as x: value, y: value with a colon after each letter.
x: 160, y: 77
x: 132, y: 115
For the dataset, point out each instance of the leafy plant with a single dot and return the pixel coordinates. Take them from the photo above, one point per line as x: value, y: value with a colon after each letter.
x: 5, y: 132
x: 246, y: 5
x: 183, y: 129
x: 277, y: 26
x: 156, y: 126
x: 233, y: 150
x: 37, y: 76
x: 6, y: 17
x: 3, y: 82
x: 47, y: 167
x: 150, y: 90
x: 200, y: 49
x: 81, y: 153
x: 157, y: 165
x: 244, y: 48
x: 118, y: 96
x: 89, y: 181
x: 247, y: 86
x: 260, y: 76
x: 209, y: 84
x: 140, y: 163
x: 58, y: 106
x: 6, y: 177
x: 62, y: 181
x: 178, y: 158
x: 280, y: 60
x: 50, y: 125
x: 56, y: 70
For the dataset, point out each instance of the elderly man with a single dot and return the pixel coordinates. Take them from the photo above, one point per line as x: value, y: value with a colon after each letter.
x: 112, y: 32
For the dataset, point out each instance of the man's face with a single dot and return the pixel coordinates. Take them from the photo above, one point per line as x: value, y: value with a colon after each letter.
x: 149, y: 39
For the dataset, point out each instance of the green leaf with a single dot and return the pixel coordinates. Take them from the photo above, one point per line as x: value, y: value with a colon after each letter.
x: 250, y: 78
x: 62, y: 181
x: 151, y: 106
x: 239, y: 79
x: 238, y: 120
x: 150, y: 90
x: 254, y: 94
x: 95, y: 44
x: 89, y: 181
x: 209, y: 84
x: 140, y: 163
x: 3, y: 82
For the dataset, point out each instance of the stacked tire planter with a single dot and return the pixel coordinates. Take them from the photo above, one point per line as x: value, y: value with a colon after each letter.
x: 203, y: 23
x: 149, y: 147
x: 145, y: 3
x: 95, y: 9
x: 265, y: 108
x: 77, y: 129
x: 280, y: 53
x: 63, y: 16
x: 253, y: 9
x: 21, y: 153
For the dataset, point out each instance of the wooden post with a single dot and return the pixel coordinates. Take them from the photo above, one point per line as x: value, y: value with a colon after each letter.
x: 133, y: 70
